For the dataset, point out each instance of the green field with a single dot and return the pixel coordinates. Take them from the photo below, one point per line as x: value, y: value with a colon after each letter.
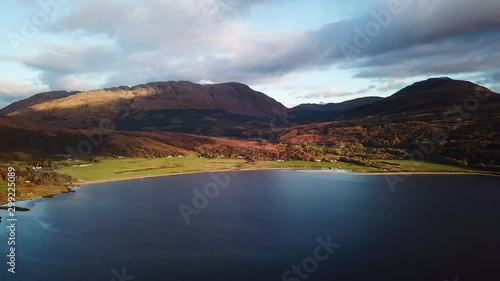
x: 125, y: 168
x: 313, y: 165
x: 109, y: 169
x: 417, y: 166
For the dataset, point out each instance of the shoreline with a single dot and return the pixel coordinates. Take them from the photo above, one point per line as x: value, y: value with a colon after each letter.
x: 312, y: 171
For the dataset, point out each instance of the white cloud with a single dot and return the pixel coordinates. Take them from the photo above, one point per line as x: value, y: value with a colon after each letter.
x: 11, y: 91
x: 15, y: 89
x: 328, y: 93
x: 392, y: 85
x: 76, y: 83
x: 206, y: 82
x: 154, y: 40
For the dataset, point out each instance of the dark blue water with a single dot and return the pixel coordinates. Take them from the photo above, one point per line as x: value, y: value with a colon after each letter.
x: 433, y: 227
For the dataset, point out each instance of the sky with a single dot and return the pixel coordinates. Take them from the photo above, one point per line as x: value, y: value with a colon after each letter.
x: 315, y: 51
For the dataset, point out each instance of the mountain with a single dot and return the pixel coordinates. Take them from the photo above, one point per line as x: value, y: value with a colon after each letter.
x: 233, y: 109
x: 36, y: 99
x: 431, y: 97
x: 447, y: 120
x: 305, y: 113
x: 440, y: 119
x: 211, y: 109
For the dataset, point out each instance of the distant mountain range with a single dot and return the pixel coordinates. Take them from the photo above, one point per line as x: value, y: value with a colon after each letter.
x: 433, y: 96
x: 469, y: 115
x: 305, y: 113
x: 198, y: 108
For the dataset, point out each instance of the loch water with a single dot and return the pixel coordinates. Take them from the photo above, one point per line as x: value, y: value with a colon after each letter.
x: 262, y: 225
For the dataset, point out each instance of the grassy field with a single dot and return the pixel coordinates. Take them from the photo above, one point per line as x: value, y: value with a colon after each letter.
x: 114, y: 169
x: 312, y: 165
x: 417, y: 166
x: 111, y: 169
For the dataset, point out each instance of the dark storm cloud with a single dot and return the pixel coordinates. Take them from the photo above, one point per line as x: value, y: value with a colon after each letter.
x: 418, y: 30
x: 448, y: 56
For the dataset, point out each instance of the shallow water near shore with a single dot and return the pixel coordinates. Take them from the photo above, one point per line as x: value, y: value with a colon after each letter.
x: 432, y: 227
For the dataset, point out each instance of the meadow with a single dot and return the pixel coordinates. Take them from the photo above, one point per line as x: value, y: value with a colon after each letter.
x: 113, y: 169
x: 108, y: 169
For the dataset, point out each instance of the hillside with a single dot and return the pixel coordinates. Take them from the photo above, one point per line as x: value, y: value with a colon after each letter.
x: 450, y: 121
x: 174, y: 106
x: 439, y: 119
x: 305, y: 113
x: 432, y: 97
x: 34, y: 100
x: 32, y: 139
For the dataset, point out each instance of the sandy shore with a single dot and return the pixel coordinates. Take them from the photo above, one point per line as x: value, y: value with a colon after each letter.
x: 178, y: 174
x: 333, y: 172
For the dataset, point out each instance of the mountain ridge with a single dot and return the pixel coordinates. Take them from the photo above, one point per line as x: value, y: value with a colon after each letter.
x: 154, y: 105
x: 136, y: 124
x: 162, y: 87
x: 180, y: 94
x: 431, y: 96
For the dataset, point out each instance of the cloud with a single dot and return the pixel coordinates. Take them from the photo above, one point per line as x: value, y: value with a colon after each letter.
x: 150, y: 40
x: 18, y: 89
x: 154, y: 40
x: 391, y: 85
x: 64, y: 58
x: 495, y: 76
x: 12, y: 91
x: 439, y: 31
x: 179, y: 26
x: 329, y: 93
x: 233, y: 7
x: 61, y: 65
x: 206, y: 82
x: 459, y: 55
x: 333, y: 93
x: 365, y: 90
